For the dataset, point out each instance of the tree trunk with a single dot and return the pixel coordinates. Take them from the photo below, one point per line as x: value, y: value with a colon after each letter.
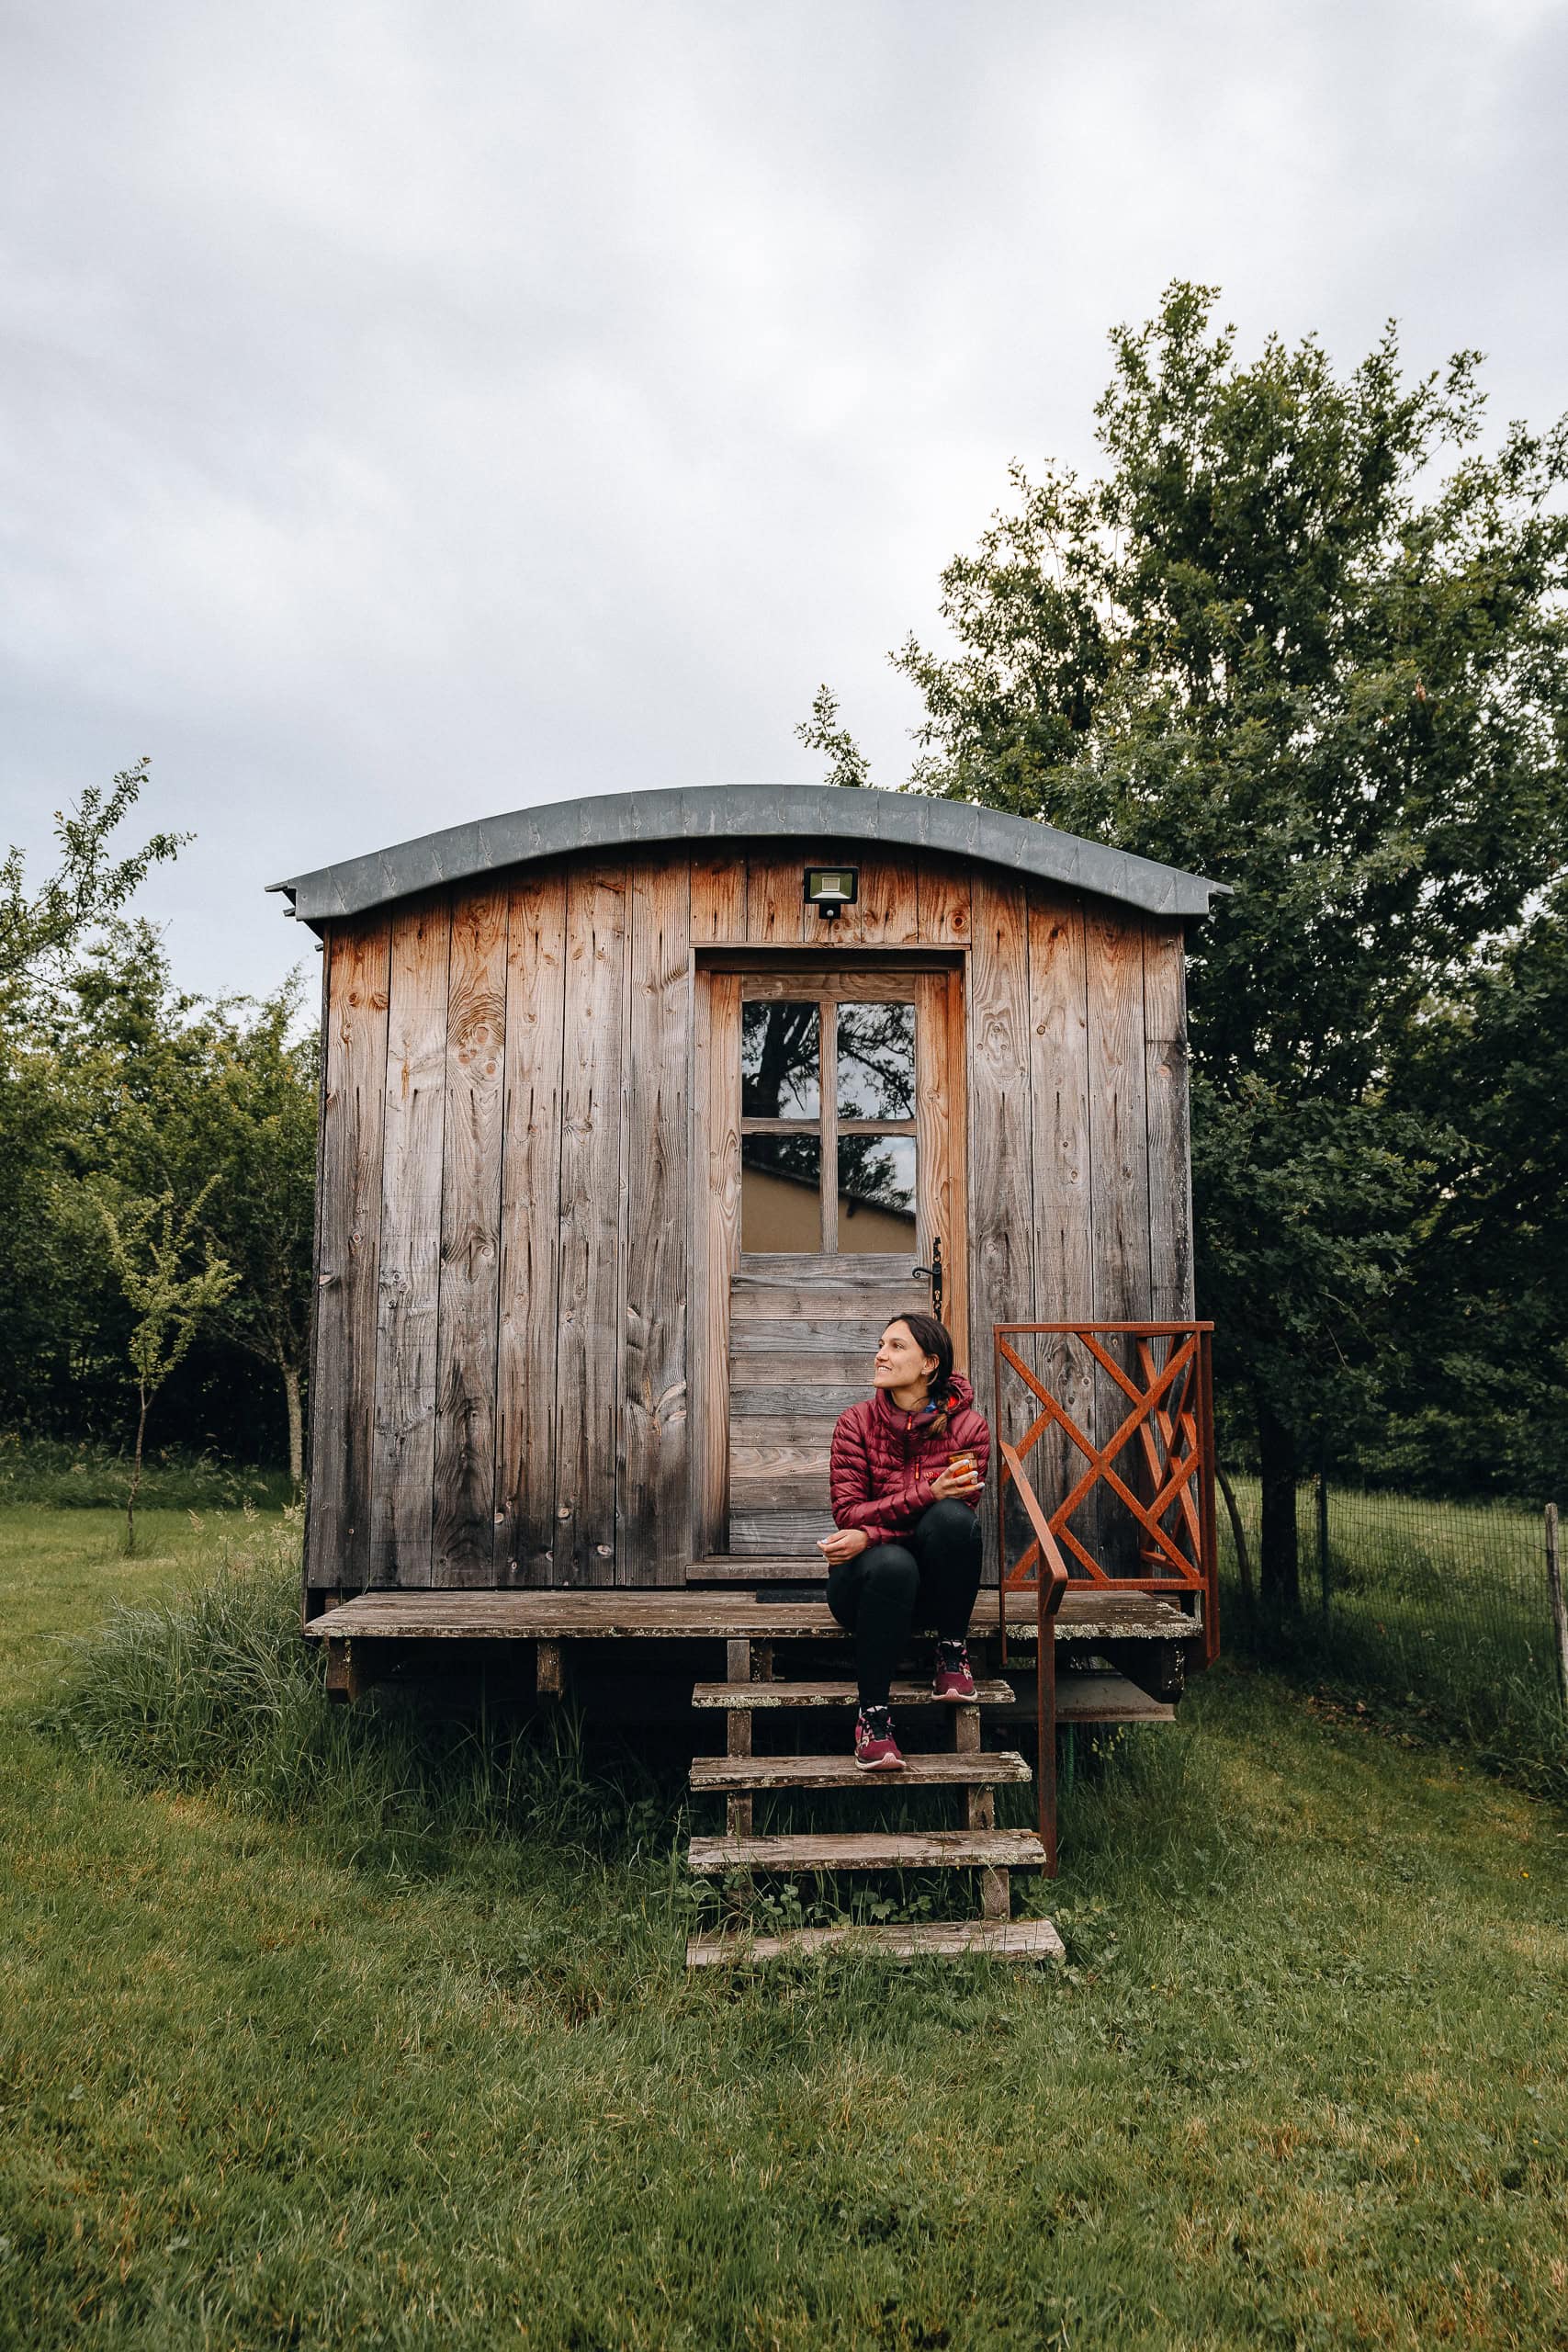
x: 135, y: 1477
x: 296, y: 1428
x: 1238, y: 1537
x: 1278, y: 1567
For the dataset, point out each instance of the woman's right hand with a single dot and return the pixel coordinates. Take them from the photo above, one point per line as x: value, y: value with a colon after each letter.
x: 845, y: 1543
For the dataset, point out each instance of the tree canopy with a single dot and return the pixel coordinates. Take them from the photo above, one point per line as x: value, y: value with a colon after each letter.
x: 1304, y: 632
x: 123, y: 1095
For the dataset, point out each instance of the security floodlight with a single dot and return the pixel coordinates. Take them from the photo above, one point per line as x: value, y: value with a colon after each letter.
x: 829, y: 887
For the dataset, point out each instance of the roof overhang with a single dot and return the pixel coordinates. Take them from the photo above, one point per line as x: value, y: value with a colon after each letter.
x: 740, y: 813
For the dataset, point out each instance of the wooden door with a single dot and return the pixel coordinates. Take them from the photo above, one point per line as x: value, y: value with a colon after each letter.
x: 835, y: 1159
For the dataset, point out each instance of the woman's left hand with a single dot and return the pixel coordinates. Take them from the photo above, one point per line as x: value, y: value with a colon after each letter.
x: 844, y: 1544
x: 951, y: 1485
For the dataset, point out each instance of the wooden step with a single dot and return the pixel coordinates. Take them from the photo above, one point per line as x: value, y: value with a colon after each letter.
x: 1107, y: 1699
x: 752, y: 1695
x: 971, y: 1771
x: 898, y: 1849
x: 927, y: 1939
x: 761, y: 1567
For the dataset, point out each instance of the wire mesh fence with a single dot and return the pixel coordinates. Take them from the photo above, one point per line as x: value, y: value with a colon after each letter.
x: 1447, y: 1604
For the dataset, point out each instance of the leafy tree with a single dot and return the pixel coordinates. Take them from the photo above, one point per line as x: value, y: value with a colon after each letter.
x: 258, y: 1130
x: 1305, y: 634
x: 847, y: 764
x: 148, y: 1245
x: 44, y: 1284
x: 1481, y: 1396
x: 144, y: 1089
x: 91, y: 885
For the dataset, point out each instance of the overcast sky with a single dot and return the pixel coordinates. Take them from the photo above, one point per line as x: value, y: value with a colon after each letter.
x: 416, y: 411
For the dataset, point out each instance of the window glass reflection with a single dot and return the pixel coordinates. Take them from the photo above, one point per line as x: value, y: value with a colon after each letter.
x: 780, y: 1193
x: 876, y: 1195
x: 780, y: 1061
x: 876, y: 1061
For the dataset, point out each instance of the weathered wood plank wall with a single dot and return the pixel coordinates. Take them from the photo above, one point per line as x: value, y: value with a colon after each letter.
x: 589, y: 1356
x: 1001, y: 1173
x: 530, y: 1231
x: 654, y: 1539
x: 344, y: 1358
x: 517, y: 1249
x: 463, y: 1534
x: 1059, y: 1115
x: 414, y: 1138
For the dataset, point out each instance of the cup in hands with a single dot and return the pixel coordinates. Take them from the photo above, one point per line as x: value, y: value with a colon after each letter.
x: 966, y: 1465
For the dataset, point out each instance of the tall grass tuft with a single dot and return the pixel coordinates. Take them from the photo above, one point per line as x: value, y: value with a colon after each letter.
x: 85, y: 1475
x: 212, y: 1689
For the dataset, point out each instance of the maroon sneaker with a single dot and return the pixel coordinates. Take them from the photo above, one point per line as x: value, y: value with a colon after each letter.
x: 953, y: 1679
x: 877, y: 1750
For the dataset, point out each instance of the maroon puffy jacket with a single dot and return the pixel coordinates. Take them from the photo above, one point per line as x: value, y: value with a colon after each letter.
x: 885, y: 1459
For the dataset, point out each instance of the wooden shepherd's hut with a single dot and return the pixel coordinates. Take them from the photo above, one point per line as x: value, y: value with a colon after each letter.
x: 641, y: 1116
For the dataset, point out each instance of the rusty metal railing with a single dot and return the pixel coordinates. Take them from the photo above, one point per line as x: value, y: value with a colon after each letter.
x: 1146, y: 1489
x: 1050, y: 1584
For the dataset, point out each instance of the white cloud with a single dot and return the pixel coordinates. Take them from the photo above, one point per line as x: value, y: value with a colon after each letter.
x: 412, y: 411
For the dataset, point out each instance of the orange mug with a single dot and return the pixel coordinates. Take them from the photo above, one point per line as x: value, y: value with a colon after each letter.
x: 966, y: 1462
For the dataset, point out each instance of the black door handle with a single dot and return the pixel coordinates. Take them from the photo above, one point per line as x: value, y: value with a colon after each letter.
x: 933, y: 1275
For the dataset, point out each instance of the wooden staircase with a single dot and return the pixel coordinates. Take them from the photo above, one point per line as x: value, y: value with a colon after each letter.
x: 979, y: 1846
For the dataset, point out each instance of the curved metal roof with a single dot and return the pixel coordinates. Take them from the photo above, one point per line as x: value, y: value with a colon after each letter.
x: 745, y: 812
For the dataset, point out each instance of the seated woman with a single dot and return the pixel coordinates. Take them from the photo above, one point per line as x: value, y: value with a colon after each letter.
x: 906, y: 1470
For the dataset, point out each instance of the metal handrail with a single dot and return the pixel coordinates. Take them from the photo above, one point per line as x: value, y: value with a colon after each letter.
x: 1049, y: 1587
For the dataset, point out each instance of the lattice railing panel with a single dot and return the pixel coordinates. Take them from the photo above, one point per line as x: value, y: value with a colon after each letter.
x: 1139, y: 1480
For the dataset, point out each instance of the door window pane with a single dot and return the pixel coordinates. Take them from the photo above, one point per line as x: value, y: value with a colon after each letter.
x: 876, y: 1061
x: 780, y: 1193
x: 876, y: 1195
x: 781, y: 1053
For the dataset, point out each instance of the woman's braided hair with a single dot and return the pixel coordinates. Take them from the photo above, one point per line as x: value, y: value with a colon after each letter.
x: 934, y: 1339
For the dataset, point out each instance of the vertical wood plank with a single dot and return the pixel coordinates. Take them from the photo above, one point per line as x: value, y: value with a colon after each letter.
x: 587, y: 1378
x: 939, y: 1128
x: 530, y: 1231
x: 1063, y: 1232
x: 719, y: 899
x: 409, y: 1274
x: 317, y: 1577
x: 776, y: 907
x: 943, y: 902
x: 654, y: 1538
x: 968, y: 1345
x: 1113, y: 949
x: 1002, y: 1207
x: 464, y: 1518
x: 343, y: 1410
x: 1170, y: 1170
x: 717, y: 1250
x: 888, y: 904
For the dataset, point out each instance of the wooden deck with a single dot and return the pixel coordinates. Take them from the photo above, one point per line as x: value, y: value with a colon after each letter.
x: 434, y: 1616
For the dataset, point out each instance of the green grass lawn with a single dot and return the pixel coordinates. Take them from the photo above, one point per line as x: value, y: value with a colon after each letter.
x: 1442, y: 1603
x: 290, y: 2081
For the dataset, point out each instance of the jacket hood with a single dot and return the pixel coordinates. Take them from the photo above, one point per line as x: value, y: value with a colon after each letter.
x: 959, y: 1396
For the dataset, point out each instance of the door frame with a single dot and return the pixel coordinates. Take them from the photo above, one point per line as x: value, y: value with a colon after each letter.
x: 719, y: 977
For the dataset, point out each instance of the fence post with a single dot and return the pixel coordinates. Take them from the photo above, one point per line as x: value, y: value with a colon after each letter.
x: 1559, y: 1615
x: 1322, y: 1529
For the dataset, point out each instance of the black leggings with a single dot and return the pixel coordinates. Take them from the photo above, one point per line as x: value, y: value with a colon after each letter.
x: 929, y: 1578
